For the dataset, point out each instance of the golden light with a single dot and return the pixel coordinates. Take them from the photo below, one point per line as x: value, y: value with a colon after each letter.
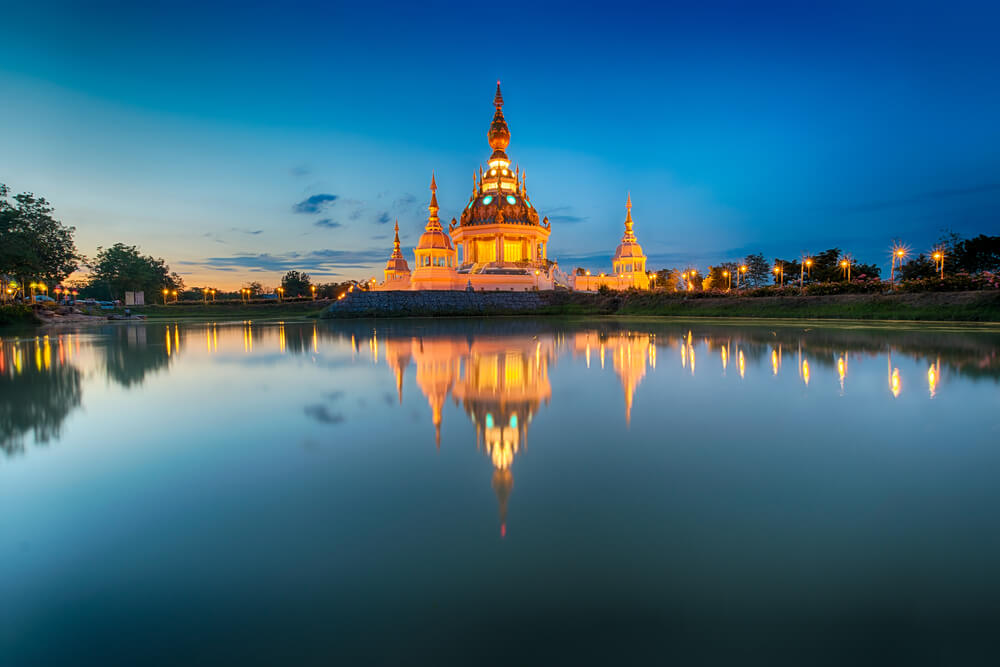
x: 843, y: 263
x: 895, y: 384
x: 805, y: 371
x: 744, y: 268
x: 932, y: 380
x: 809, y: 262
x: 936, y: 256
x: 725, y: 273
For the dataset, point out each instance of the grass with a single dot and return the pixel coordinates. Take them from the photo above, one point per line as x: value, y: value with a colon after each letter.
x: 233, y: 310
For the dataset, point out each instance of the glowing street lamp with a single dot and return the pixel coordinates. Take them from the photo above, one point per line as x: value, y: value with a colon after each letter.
x: 898, y: 253
x: 312, y: 288
x: 743, y: 270
x: 204, y: 295
x: 166, y: 292
x: 806, y: 264
x: 845, y: 264
x: 938, y: 257
x: 281, y: 293
x: 174, y: 294
x: 779, y: 271
x: 58, y: 291
x: 729, y: 280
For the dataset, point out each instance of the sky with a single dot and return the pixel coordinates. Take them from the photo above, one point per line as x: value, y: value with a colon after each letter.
x: 239, y: 141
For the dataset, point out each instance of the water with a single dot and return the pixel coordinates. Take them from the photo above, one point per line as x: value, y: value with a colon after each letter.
x: 499, y: 491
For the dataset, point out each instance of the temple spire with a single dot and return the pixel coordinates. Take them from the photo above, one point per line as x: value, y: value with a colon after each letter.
x: 396, y: 252
x: 498, y: 135
x: 433, y: 223
x: 498, y: 98
x: 629, y: 234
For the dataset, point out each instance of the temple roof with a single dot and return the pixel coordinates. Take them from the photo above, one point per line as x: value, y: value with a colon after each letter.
x: 629, y: 247
x: 434, y: 236
x: 396, y: 261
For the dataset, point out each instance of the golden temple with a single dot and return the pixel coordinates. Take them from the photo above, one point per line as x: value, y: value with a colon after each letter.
x: 499, y: 242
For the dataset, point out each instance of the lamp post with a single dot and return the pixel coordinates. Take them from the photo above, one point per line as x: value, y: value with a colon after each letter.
x: 938, y: 256
x: 204, y: 295
x: 898, y: 253
x: 537, y: 273
x: 806, y: 263
x: 58, y: 292
x: 165, y: 293
x: 743, y: 270
x: 729, y: 280
x: 312, y: 288
x: 74, y: 293
x: 213, y: 295
x: 174, y: 294
x: 779, y: 271
x: 281, y: 293
x: 845, y: 264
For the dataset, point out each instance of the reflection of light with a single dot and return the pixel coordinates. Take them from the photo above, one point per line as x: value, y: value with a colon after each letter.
x: 652, y: 356
x: 805, y: 371
x: 489, y: 420
x: 932, y: 379
x: 168, y: 341
x: 841, y: 372
x: 725, y: 358
x: 774, y: 360
x: 684, y: 355
x: 281, y: 337
x: 742, y: 362
x: 602, y: 355
x: 894, y: 382
x: 691, y: 354
x: 588, y: 355
x: 47, y: 353
x: 513, y: 421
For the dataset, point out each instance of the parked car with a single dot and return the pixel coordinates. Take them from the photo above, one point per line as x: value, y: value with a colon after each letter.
x: 42, y: 297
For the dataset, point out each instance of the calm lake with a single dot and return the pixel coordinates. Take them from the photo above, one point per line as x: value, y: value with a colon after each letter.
x: 499, y: 491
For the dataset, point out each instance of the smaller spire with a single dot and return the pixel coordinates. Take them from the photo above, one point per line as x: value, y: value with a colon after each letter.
x: 498, y: 99
x: 629, y: 234
x: 434, y: 186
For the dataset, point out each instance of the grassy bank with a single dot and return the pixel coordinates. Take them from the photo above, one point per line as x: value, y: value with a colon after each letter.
x: 932, y: 306
x: 232, y: 310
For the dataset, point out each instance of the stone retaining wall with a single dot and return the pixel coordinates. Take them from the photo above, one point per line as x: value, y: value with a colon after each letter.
x: 433, y: 302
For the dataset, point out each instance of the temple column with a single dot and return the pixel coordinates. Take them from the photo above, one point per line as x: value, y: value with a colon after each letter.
x: 500, y: 247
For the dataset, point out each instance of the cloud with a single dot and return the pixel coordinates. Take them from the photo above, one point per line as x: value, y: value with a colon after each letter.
x: 314, y: 204
x: 323, y: 262
x: 383, y: 218
x: 356, y: 214
x: 252, y: 232
x: 404, y: 200
x: 327, y: 223
x: 921, y: 198
x: 556, y: 215
x: 300, y: 170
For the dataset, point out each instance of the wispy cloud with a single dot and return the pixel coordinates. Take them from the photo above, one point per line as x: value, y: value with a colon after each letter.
x: 315, y: 203
x: 327, y: 223
x: 325, y: 262
x: 252, y: 232
x: 301, y: 170
x: 383, y: 218
x: 920, y: 198
x: 562, y: 214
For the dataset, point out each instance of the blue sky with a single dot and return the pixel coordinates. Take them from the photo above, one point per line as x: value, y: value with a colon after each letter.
x: 240, y: 141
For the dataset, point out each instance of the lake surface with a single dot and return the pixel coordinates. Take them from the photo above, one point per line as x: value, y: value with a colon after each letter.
x: 499, y: 491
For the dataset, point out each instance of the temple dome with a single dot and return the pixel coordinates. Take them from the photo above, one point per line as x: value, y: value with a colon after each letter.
x: 629, y: 247
x: 512, y: 207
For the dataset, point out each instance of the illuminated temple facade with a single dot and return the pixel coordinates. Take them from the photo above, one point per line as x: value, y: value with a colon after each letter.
x: 499, y: 242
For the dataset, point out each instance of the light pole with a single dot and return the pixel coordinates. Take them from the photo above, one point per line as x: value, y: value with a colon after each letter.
x: 729, y: 280
x: 165, y: 293
x: 537, y: 272
x: 938, y: 256
x: 743, y: 271
x: 898, y: 253
x: 174, y: 294
x: 780, y: 272
x: 845, y: 264
x: 204, y: 295
x: 312, y: 288
x: 806, y: 263
x: 281, y: 293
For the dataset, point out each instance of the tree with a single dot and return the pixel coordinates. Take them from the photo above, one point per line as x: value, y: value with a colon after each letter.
x: 716, y: 278
x: 758, y: 270
x: 296, y: 283
x: 33, y: 244
x: 666, y: 279
x: 122, y: 268
x: 256, y: 289
x: 974, y: 255
x: 920, y: 266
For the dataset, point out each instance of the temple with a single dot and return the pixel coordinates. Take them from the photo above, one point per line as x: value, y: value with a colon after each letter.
x: 499, y: 242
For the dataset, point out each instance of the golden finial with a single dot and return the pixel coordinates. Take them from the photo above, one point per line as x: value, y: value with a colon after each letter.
x: 432, y: 219
x: 498, y: 99
x: 433, y: 184
x: 629, y: 235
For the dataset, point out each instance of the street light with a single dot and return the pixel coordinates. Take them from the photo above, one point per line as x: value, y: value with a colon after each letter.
x: 806, y: 263
x: 165, y: 293
x: 898, y: 253
x: 213, y: 296
x: 204, y: 295
x: 312, y: 288
x: 845, y: 264
x: 281, y: 293
x: 729, y: 280
x: 938, y: 256
x: 743, y: 269
x: 174, y: 294
x: 779, y: 271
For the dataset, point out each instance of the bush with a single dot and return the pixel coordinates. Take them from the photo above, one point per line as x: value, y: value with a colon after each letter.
x: 17, y: 314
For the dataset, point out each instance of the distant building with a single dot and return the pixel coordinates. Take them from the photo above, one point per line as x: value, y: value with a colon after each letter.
x: 629, y: 264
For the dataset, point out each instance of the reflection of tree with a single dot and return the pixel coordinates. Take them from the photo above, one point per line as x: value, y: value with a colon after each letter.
x: 128, y: 356
x: 36, y: 401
